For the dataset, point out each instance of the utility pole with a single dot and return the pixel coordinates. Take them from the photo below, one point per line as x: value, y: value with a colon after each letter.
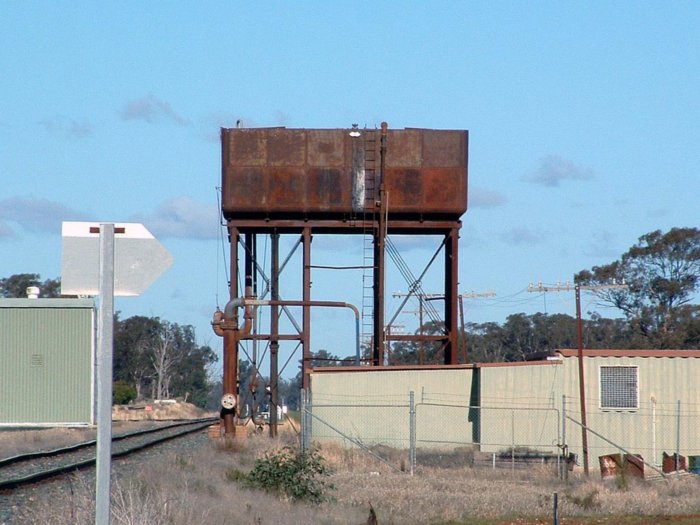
x: 470, y: 295
x: 567, y: 287
x: 436, y: 296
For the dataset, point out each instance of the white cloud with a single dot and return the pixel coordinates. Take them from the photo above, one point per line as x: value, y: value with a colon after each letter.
x: 34, y: 215
x: 601, y: 244
x: 521, y: 235
x: 657, y: 212
x: 183, y: 217
x: 152, y: 110
x: 67, y: 128
x: 6, y: 230
x: 482, y: 198
x: 553, y: 169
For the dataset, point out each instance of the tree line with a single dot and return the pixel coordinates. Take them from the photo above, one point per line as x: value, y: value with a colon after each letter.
x: 658, y: 303
x: 661, y: 273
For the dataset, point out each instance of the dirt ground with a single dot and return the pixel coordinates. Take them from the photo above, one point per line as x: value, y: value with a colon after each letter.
x: 158, y: 411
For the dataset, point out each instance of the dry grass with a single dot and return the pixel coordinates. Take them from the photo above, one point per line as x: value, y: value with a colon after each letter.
x: 14, y: 441
x: 194, y: 489
x: 20, y: 441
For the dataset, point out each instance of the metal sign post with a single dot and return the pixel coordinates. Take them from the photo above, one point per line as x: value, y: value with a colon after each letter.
x: 124, y: 268
x: 105, y: 331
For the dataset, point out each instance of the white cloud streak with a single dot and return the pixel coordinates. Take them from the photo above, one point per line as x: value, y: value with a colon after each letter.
x: 553, y: 170
x: 34, y: 215
x: 152, y: 110
x: 482, y: 198
x: 185, y: 218
x: 521, y: 235
x: 67, y: 128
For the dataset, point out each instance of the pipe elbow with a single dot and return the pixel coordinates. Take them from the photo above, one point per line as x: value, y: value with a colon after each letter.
x: 231, y: 306
x: 216, y: 323
x: 247, y: 320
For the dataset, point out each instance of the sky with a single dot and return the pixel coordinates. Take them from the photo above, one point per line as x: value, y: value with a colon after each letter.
x: 583, y: 122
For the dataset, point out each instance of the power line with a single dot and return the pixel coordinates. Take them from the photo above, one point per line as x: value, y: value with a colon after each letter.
x: 566, y: 287
x: 569, y: 287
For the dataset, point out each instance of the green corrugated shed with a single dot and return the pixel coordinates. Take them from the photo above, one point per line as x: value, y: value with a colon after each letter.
x: 47, y: 362
x: 373, y: 403
x: 651, y: 410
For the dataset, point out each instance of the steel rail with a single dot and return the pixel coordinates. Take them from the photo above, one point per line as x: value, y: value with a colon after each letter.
x: 42, y: 474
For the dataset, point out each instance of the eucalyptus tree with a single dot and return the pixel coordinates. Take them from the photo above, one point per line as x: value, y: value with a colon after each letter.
x: 662, y: 277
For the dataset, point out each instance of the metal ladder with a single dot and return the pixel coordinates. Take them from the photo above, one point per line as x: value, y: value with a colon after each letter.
x: 369, y: 219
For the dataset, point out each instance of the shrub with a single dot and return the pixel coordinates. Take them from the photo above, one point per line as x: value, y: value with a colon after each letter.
x: 123, y: 393
x: 292, y: 473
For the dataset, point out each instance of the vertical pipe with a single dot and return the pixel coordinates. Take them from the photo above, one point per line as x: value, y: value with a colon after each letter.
x: 379, y: 257
x: 357, y: 340
x: 451, y: 278
x: 555, y: 510
x: 581, y: 382
x: 231, y: 339
x: 274, y: 331
x: 250, y: 265
x: 306, y: 310
x: 250, y: 287
x: 105, y: 341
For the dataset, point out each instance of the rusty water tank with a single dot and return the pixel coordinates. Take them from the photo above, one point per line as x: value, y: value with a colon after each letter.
x: 331, y: 174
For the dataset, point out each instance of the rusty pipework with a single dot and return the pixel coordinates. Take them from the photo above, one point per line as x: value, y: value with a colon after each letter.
x: 225, y: 324
x: 249, y: 303
x: 226, y: 320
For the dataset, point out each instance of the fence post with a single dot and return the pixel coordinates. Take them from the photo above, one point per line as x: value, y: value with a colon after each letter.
x: 412, y: 432
x: 564, y: 448
x: 512, y: 440
x: 305, y: 422
x: 678, y: 437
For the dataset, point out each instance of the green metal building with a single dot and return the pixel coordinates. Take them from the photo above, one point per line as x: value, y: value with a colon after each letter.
x: 644, y: 402
x: 47, y: 362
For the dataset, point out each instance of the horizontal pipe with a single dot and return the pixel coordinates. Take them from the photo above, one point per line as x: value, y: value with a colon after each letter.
x: 249, y: 304
x: 329, y: 304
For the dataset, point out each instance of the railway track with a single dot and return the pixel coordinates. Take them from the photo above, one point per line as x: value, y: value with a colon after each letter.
x: 25, y: 469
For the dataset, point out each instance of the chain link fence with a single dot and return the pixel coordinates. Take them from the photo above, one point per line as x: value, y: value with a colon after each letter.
x: 406, y: 433
x: 663, y: 435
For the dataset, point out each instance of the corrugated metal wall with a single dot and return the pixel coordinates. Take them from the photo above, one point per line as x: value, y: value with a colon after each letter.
x: 374, y: 405
x: 520, y: 406
x: 650, y: 430
x: 46, y: 361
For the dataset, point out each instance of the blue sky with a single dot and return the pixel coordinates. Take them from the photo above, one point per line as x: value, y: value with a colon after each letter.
x: 583, y: 119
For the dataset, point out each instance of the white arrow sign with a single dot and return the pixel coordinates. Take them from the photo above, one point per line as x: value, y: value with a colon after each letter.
x: 139, y: 259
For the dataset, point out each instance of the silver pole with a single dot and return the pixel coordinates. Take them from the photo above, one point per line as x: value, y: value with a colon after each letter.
x: 564, y: 447
x: 105, y: 329
x: 412, y: 432
x: 676, y: 460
